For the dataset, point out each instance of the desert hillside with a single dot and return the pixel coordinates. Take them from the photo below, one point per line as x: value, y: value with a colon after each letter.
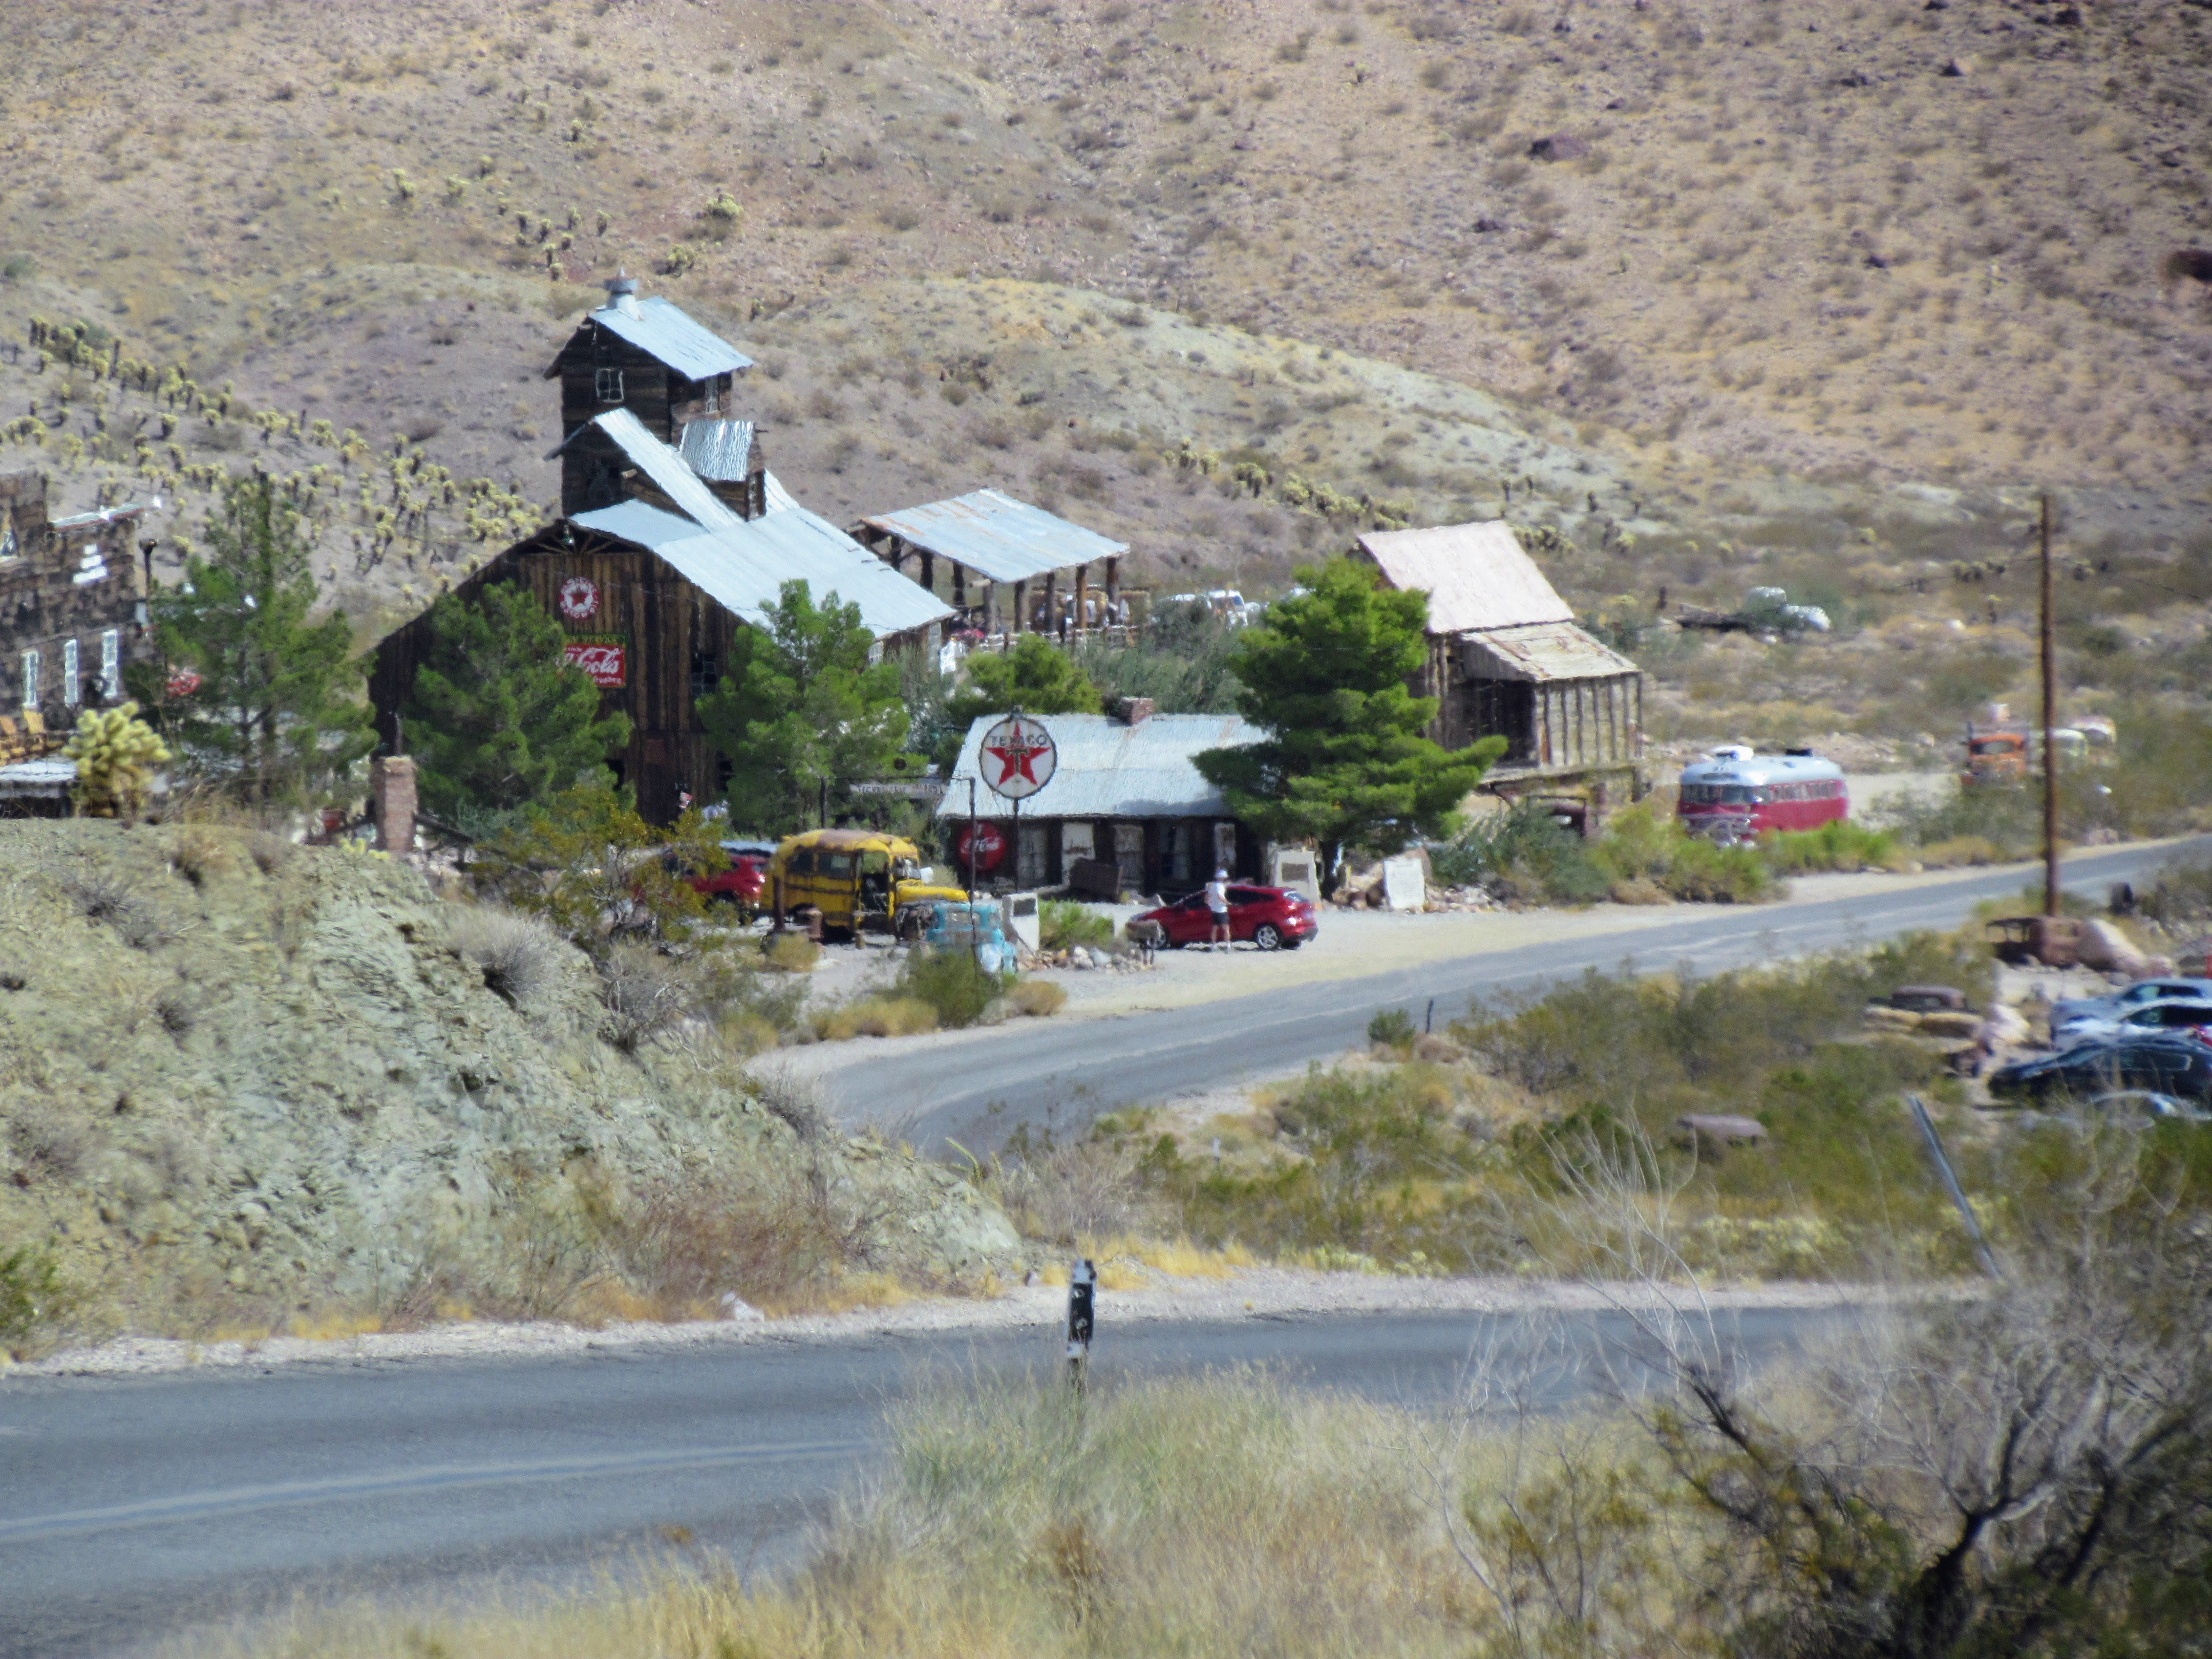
x: 1706, y: 295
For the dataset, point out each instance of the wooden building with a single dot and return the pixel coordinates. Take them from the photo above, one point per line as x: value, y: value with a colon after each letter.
x: 1506, y: 658
x: 1006, y: 566
x: 72, y: 605
x: 653, y: 588
x: 1125, y: 790
x: 648, y: 357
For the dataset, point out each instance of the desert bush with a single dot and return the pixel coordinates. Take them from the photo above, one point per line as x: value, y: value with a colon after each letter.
x: 520, y: 955
x: 1524, y: 855
x: 1841, y: 845
x: 1066, y: 1191
x: 644, y: 993
x: 1036, y: 998
x: 792, y: 953
x: 799, y: 1102
x: 113, y: 899
x: 1642, y: 845
x: 33, y: 1295
x: 875, y: 1016
x: 2180, y: 895
x: 952, y: 984
x: 1393, y: 1028
x: 1062, y: 922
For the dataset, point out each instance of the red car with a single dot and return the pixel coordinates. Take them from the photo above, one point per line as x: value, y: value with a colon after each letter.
x: 743, y: 884
x: 1273, y: 918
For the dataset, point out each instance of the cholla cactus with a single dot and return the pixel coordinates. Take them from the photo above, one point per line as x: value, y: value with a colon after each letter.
x: 115, y: 752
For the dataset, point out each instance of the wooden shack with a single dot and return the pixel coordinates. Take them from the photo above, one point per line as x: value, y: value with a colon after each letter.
x: 651, y: 589
x: 1006, y: 566
x: 645, y: 356
x: 1506, y: 658
x: 72, y: 603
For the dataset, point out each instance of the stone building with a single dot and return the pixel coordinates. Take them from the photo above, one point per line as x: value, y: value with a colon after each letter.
x: 72, y: 603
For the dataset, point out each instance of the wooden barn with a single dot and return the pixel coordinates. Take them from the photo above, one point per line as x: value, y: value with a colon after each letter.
x: 1506, y: 658
x: 674, y: 536
x: 72, y: 607
x: 1004, y: 565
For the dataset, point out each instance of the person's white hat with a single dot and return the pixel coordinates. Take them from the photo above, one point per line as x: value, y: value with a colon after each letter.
x: 1221, y: 875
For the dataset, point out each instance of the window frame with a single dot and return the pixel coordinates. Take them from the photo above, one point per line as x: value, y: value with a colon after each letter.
x: 602, y: 377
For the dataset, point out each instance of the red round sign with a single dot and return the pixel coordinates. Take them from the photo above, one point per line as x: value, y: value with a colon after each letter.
x: 1016, y: 757
x: 984, y: 838
x: 580, y: 598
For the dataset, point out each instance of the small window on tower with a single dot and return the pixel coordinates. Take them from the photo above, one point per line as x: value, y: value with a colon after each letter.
x: 706, y: 674
x: 607, y: 383
x: 713, y: 396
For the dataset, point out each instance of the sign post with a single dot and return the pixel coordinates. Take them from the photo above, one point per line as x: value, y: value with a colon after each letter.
x: 1023, y: 756
x: 1082, y: 1319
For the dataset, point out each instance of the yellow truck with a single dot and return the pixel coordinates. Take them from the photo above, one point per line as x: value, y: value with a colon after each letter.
x: 860, y: 880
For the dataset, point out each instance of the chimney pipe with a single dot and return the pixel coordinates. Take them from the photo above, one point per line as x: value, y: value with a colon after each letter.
x: 622, y: 293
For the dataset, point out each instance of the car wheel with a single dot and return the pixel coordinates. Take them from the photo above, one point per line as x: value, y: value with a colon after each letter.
x: 1268, y: 936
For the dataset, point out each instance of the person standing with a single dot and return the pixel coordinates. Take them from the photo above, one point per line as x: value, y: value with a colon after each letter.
x: 1216, y: 900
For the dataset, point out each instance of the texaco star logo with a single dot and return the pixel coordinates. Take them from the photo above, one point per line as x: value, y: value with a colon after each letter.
x: 1018, y: 755
x: 580, y: 598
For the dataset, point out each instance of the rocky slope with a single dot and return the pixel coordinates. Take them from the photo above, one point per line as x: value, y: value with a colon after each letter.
x: 243, y: 1083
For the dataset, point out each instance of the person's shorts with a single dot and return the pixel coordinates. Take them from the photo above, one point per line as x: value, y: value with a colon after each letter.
x: 1220, y: 918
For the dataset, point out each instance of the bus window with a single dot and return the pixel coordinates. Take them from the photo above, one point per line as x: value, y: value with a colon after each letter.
x: 802, y: 862
x: 836, y: 864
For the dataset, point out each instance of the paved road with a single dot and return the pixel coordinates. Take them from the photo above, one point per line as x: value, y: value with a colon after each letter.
x: 131, y: 1508
x: 1062, y: 1075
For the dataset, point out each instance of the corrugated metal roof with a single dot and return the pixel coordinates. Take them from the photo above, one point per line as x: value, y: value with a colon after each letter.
x: 779, y: 500
x: 37, y: 779
x: 660, y: 329
x: 720, y: 452
x: 743, y: 566
x: 1110, y: 770
x: 104, y: 515
x: 996, y: 535
x: 1542, y: 652
x: 1476, y: 575
x: 662, y: 465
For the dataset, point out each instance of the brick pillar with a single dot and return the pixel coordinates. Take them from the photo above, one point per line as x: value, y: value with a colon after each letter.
x: 391, y: 802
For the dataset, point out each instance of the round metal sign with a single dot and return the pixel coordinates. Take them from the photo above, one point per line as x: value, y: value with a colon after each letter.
x: 580, y: 598
x: 1017, y: 757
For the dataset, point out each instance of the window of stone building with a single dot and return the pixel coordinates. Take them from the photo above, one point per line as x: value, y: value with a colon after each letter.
x: 111, y: 663
x: 30, y: 679
x: 72, y: 668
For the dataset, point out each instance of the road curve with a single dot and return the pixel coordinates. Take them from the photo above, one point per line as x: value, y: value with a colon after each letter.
x: 1062, y: 1075
x: 134, y: 1508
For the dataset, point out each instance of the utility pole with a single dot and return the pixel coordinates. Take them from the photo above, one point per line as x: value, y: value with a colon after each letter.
x: 2049, y: 730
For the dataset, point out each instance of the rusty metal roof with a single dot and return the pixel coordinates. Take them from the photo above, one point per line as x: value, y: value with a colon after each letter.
x: 720, y: 452
x: 1110, y: 770
x: 1476, y: 575
x: 1539, y: 652
x: 997, y: 536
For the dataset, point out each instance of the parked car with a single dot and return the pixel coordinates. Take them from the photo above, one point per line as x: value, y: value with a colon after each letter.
x: 2066, y: 1013
x: 2163, y: 1063
x: 1273, y: 918
x: 977, y: 925
x: 742, y: 881
x: 2192, y: 1015
x: 2141, y: 1106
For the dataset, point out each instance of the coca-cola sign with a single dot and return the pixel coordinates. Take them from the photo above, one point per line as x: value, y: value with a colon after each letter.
x: 987, y: 842
x: 605, y: 658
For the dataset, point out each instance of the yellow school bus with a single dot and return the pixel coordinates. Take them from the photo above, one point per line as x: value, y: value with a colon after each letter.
x: 858, y: 879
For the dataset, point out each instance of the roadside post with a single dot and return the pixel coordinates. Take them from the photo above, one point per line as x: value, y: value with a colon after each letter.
x: 1950, y: 1180
x: 1082, y: 1318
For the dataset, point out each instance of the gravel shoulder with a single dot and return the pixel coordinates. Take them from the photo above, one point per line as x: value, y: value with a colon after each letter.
x: 1254, y: 1293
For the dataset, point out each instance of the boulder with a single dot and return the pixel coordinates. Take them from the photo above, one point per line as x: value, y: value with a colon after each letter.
x: 1559, y: 147
x: 1891, y: 1020
x: 1950, y: 1023
x: 1720, y: 1129
x: 2102, y: 946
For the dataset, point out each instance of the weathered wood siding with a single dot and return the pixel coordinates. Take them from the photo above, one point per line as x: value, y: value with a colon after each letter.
x: 664, y: 624
x: 662, y: 399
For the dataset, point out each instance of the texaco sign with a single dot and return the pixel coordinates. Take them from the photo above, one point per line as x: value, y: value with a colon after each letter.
x: 1017, y: 757
x: 580, y: 599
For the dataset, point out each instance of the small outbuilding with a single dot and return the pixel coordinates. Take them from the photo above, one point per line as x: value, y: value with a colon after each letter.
x: 72, y: 608
x: 1007, y: 566
x: 1507, y: 658
x: 1126, y: 792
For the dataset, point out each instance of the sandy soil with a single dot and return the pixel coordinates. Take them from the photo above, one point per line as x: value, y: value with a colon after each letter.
x: 1245, y: 1293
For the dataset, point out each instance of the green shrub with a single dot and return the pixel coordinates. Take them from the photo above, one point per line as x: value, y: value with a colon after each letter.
x: 954, y: 986
x: 1062, y: 922
x: 1841, y: 845
x: 1525, y: 855
x: 32, y: 1294
x: 1641, y: 845
x: 1393, y: 1028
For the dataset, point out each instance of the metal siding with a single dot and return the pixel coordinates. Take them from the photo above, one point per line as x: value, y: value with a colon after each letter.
x: 720, y: 452
x: 992, y: 533
x: 1111, y: 771
x: 663, y: 466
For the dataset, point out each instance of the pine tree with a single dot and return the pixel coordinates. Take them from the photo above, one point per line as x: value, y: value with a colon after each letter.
x: 802, y: 712
x: 277, y: 710
x: 1036, y: 676
x: 1344, y: 763
x: 498, y: 717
